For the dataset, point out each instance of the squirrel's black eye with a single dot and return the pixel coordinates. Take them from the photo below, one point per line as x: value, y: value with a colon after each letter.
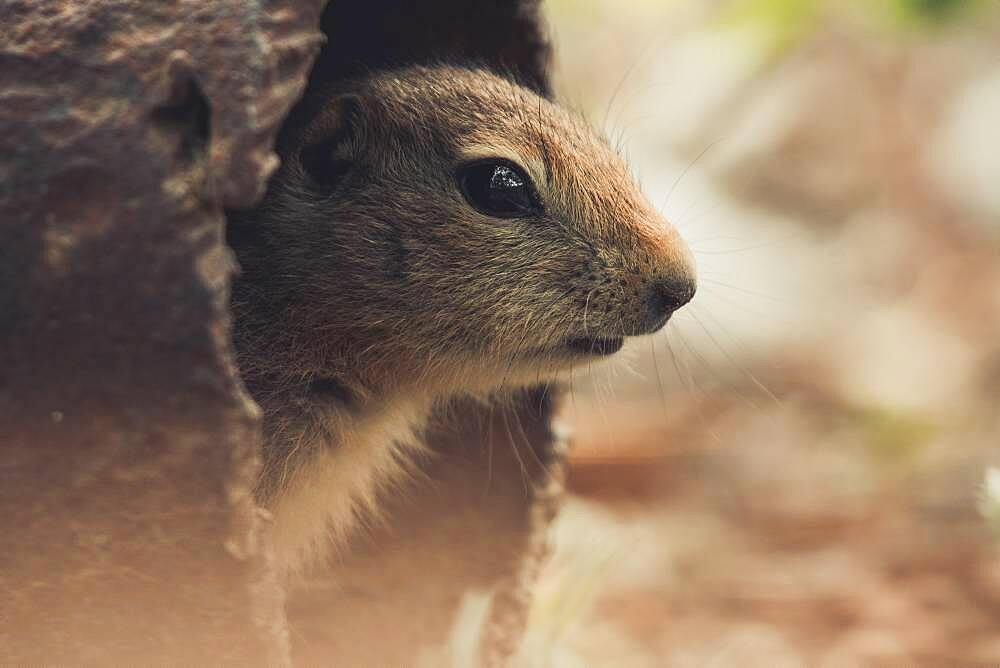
x: 498, y: 188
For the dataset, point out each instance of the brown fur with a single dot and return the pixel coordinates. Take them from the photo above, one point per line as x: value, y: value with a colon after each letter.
x: 358, y: 310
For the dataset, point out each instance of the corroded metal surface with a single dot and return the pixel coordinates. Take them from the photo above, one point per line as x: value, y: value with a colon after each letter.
x: 126, y: 446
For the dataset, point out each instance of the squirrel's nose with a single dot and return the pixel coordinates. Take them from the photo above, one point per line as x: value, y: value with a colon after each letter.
x: 670, y: 294
x: 666, y: 296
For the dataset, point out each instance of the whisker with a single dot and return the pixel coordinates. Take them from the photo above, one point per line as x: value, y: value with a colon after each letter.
x: 693, y: 387
x: 489, y: 450
x: 729, y: 251
x: 621, y: 83
x: 745, y: 291
x: 659, y: 379
x: 753, y: 378
x: 527, y: 444
x: 731, y: 302
x: 684, y: 172
x: 517, y: 455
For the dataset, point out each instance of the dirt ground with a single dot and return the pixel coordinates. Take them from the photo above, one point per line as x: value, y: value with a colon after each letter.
x: 802, y: 469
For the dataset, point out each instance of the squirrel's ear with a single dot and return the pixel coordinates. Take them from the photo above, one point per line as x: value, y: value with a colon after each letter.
x: 333, y: 142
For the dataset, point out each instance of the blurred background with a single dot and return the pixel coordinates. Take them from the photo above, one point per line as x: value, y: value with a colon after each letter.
x: 800, y: 469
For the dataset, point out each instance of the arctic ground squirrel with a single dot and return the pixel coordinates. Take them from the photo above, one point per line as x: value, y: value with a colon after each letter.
x: 436, y: 232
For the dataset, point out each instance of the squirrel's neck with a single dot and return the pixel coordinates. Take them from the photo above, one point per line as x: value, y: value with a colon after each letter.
x: 307, y: 420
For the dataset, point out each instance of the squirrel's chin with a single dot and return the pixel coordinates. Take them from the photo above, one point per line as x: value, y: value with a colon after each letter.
x: 596, y: 346
x: 574, y: 349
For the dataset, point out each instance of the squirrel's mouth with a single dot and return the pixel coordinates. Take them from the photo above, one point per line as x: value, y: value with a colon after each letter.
x: 596, y: 346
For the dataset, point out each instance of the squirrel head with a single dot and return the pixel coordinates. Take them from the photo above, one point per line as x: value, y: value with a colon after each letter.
x: 446, y: 227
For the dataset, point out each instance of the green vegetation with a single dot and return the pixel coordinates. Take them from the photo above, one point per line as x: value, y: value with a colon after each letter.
x: 989, y: 501
x: 892, y: 438
x: 783, y: 24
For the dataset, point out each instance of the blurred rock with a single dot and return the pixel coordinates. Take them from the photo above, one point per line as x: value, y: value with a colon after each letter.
x: 865, y: 648
x: 964, y: 155
x: 772, y: 150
